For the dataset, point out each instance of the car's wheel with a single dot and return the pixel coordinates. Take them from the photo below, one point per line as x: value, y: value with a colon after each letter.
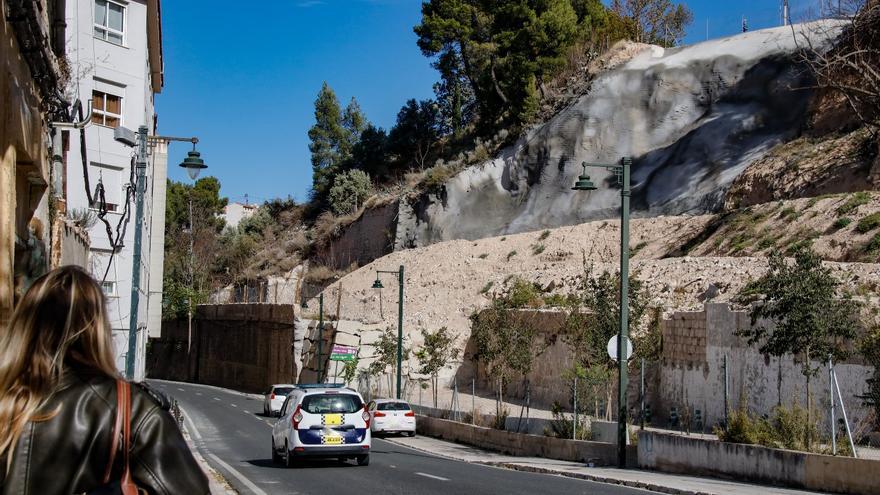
x: 276, y: 459
x: 288, y: 457
x: 410, y: 433
x: 363, y: 460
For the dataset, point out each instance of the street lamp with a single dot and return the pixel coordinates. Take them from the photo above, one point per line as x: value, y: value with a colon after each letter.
x: 141, y: 140
x: 378, y: 285
x: 193, y: 164
x: 584, y: 183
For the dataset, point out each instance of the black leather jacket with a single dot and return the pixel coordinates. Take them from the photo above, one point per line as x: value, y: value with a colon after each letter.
x: 69, y: 453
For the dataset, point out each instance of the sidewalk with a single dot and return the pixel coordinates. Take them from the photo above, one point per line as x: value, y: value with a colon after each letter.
x: 649, y: 480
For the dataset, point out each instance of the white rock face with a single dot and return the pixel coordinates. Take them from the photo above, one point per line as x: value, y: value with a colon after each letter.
x: 693, y: 118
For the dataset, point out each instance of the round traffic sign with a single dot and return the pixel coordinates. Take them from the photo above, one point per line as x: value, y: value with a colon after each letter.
x: 612, y: 347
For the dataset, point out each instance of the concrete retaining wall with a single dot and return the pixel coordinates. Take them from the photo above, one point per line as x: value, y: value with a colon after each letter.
x: 519, y: 444
x: 694, y: 456
x: 244, y: 347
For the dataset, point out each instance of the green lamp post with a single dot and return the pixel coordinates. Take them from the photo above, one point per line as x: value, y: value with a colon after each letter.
x: 622, y: 171
x: 378, y: 285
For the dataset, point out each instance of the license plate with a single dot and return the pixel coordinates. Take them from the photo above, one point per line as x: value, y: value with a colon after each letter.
x: 332, y: 440
x: 332, y: 419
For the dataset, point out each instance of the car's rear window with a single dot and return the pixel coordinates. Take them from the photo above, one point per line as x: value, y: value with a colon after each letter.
x: 392, y: 406
x: 331, y: 403
x: 282, y: 390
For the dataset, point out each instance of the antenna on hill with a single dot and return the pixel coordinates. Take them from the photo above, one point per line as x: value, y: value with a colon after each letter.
x: 745, y: 24
x: 245, y: 199
x: 786, y: 20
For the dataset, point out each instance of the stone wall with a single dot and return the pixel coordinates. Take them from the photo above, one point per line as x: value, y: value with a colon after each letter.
x: 244, y: 347
x: 691, y: 373
x: 368, y: 238
x: 698, y: 457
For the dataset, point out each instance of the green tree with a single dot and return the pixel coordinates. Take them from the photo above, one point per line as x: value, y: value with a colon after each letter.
x: 415, y: 133
x: 454, y: 94
x: 437, y: 352
x: 354, y: 122
x: 507, y: 344
x: 659, y: 22
x: 187, y: 276
x: 349, y: 370
x: 385, y: 355
x: 800, y: 309
x: 370, y: 153
x: 350, y: 189
x: 506, y: 48
x: 869, y: 347
x: 329, y: 141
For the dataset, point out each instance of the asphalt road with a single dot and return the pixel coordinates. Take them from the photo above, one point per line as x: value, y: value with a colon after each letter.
x: 232, y: 434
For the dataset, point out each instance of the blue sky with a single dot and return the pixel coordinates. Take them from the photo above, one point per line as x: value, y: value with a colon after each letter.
x: 244, y: 79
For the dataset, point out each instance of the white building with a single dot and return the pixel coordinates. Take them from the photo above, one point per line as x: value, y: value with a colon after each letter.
x: 115, y: 51
x: 234, y: 213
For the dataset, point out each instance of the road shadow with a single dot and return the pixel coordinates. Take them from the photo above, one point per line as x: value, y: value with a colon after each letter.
x: 321, y: 463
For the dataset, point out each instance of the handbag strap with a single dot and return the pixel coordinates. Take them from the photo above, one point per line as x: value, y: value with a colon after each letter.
x: 128, y: 486
x: 117, y: 426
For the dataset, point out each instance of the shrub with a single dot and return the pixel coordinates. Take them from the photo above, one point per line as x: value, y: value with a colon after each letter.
x: 523, y: 293
x: 483, y: 256
x: 544, y: 235
x: 561, y: 426
x: 868, y: 223
x: 842, y: 222
x: 487, y: 287
x: 318, y: 274
x: 788, y: 213
x: 435, y: 177
x: 349, y: 191
x: 852, y: 202
x: 511, y: 255
x: 537, y: 249
x: 873, y: 246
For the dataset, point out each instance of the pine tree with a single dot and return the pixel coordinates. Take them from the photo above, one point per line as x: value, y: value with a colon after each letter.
x: 354, y: 122
x: 328, y: 141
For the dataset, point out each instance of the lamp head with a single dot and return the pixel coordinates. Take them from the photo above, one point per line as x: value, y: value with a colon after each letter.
x: 584, y: 183
x: 378, y: 283
x: 193, y: 164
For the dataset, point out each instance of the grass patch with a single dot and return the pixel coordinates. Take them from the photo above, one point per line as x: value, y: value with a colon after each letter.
x: 868, y: 223
x: 841, y: 222
x: 511, y: 254
x: 544, y: 235
x: 873, y: 246
x: 788, y: 213
x: 538, y: 249
x: 852, y: 202
x: 487, y: 287
x: 483, y: 256
x: 638, y: 247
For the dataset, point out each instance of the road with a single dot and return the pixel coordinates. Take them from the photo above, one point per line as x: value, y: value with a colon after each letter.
x: 232, y: 434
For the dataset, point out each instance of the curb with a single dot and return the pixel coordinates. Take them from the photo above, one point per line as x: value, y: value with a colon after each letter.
x: 539, y: 470
x: 599, y: 479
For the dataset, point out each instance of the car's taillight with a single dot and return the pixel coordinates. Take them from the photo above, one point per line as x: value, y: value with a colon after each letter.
x: 296, y: 418
x: 378, y: 414
x: 410, y: 414
x: 366, y: 416
x: 272, y: 397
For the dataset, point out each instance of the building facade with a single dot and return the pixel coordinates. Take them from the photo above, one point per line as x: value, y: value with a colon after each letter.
x: 114, y: 50
x: 32, y: 75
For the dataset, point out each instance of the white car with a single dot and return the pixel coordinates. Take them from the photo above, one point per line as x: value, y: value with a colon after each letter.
x: 392, y: 416
x: 322, y: 421
x: 274, y: 398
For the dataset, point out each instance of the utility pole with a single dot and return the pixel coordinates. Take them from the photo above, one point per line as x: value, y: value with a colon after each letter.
x: 140, y: 179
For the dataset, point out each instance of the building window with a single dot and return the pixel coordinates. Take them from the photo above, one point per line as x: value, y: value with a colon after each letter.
x: 109, y: 21
x: 106, y: 109
x: 109, y: 288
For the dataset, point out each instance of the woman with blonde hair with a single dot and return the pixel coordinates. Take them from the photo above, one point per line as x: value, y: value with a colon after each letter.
x: 68, y: 422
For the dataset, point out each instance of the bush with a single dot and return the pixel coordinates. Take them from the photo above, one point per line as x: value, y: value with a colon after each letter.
x: 842, y: 222
x: 487, y: 287
x: 868, y: 223
x: 788, y: 428
x: 561, y: 426
x: 853, y: 201
x: 511, y: 255
x: 349, y: 191
x: 537, y: 249
x: 522, y: 294
x: 436, y: 177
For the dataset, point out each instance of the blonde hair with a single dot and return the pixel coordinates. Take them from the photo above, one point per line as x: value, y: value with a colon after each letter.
x: 61, y: 322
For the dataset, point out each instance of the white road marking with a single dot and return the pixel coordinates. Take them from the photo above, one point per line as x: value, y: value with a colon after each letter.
x: 246, y: 482
x: 216, y: 398
x: 198, y: 393
x: 178, y: 388
x: 233, y: 405
x: 426, y: 475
